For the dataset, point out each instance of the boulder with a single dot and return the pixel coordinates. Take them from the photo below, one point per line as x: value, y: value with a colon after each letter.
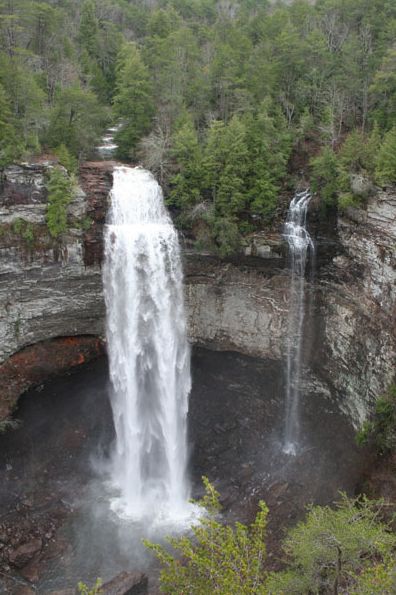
x: 126, y: 583
x: 22, y: 555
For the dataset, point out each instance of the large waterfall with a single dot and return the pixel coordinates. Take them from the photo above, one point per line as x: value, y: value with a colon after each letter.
x: 299, y: 242
x: 149, y: 356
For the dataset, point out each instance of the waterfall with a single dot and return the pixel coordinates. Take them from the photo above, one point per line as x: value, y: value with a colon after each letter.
x: 299, y: 242
x: 149, y: 356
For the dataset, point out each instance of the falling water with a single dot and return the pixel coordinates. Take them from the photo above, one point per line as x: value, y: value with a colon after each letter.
x: 149, y: 355
x: 299, y: 242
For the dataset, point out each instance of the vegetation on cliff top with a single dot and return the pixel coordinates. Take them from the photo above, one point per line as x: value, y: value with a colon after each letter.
x: 224, y: 101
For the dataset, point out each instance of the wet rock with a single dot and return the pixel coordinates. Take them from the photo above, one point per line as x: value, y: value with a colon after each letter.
x: 126, y: 583
x: 232, y: 307
x: 40, y: 361
x: 20, y: 556
x: 31, y: 572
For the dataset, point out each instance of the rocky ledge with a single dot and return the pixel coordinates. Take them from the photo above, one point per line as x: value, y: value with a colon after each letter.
x: 52, y: 290
x: 48, y: 288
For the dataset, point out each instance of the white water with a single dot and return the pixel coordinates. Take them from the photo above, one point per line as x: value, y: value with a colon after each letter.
x: 300, y: 243
x: 108, y: 147
x: 148, y: 351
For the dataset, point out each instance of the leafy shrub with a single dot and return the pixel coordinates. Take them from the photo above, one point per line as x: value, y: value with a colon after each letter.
x: 327, y: 552
x: 24, y: 229
x: 224, y: 559
x: 84, y: 589
x: 377, y: 579
x: 334, y: 550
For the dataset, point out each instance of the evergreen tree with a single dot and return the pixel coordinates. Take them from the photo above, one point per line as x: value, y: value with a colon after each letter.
x: 89, y: 28
x: 76, y: 120
x: 269, y: 149
x: 186, y: 184
x: 225, y: 166
x: 324, y: 176
x: 132, y: 100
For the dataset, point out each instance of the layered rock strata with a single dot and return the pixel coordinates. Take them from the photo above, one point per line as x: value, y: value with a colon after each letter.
x: 47, y: 290
x: 54, y: 289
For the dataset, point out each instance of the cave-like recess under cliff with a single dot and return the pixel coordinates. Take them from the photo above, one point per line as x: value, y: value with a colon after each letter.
x: 53, y: 291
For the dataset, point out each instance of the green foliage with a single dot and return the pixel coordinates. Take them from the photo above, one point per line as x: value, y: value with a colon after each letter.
x: 132, y: 100
x: 324, y: 176
x: 327, y: 552
x: 89, y: 27
x: 269, y: 144
x: 60, y: 192
x: 386, y: 163
x: 10, y: 149
x: 212, y: 96
x: 76, y: 121
x: 224, y: 234
x: 65, y: 158
x: 378, y: 579
x: 24, y: 229
x: 85, y: 223
x: 346, y: 200
x: 220, y: 558
x: 380, y: 431
x: 84, y: 589
x: 186, y: 184
x: 346, y: 549
x: 353, y: 155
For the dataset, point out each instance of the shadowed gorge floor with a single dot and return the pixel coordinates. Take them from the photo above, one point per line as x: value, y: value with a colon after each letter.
x: 51, y: 468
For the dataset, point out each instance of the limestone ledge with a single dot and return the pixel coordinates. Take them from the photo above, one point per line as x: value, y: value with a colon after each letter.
x: 55, y: 290
x: 360, y: 307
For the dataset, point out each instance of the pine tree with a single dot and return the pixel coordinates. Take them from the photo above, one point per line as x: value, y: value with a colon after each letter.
x: 132, y: 100
x: 89, y: 26
x: 226, y: 165
x: 186, y: 183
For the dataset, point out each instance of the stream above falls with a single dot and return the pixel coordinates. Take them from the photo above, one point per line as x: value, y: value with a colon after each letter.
x: 53, y: 485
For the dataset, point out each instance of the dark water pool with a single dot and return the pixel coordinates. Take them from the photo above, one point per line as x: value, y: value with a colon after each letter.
x: 52, y: 485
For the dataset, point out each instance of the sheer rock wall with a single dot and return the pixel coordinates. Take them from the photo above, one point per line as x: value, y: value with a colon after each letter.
x: 51, y: 289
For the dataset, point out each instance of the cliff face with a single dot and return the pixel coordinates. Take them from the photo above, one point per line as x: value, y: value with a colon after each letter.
x: 360, y: 306
x: 237, y: 307
x: 54, y: 289
x: 46, y: 289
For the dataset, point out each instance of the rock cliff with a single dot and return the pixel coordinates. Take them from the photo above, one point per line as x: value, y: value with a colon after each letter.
x: 50, y: 290
x: 360, y: 306
x: 46, y: 288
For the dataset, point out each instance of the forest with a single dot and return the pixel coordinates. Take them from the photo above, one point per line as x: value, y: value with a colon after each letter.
x: 229, y: 103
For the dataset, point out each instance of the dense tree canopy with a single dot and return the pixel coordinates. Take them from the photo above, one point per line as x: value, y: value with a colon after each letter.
x: 216, y: 97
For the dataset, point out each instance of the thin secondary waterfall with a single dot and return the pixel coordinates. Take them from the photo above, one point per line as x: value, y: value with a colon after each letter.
x: 300, y: 243
x: 149, y: 355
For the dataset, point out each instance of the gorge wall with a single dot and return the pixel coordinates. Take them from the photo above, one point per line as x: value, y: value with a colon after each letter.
x: 50, y: 291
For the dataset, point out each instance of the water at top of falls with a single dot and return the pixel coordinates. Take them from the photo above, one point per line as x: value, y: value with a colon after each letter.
x: 149, y: 356
x: 299, y: 242
x: 295, y: 230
